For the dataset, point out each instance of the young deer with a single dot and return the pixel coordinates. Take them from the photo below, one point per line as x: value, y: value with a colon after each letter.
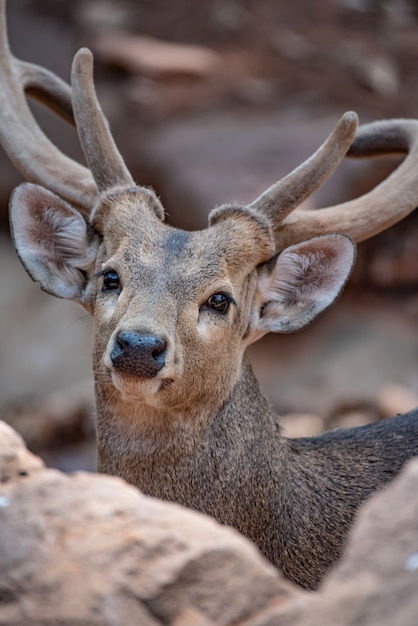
x: 179, y: 412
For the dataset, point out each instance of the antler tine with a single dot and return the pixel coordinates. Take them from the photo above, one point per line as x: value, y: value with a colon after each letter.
x: 388, y: 203
x: 32, y: 153
x: 102, y: 155
x: 285, y: 195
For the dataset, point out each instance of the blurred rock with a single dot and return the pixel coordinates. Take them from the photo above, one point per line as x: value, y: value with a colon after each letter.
x: 58, y: 426
x: 55, y: 418
x: 302, y: 425
x: 15, y: 460
x: 100, y: 552
x: 395, y: 398
x: 341, y: 363
x: 230, y: 15
x: 89, y: 550
x: 151, y: 57
x: 376, y: 582
x: 104, y: 15
x: 295, y: 47
x: 45, y: 342
x: 350, y: 415
x: 376, y: 72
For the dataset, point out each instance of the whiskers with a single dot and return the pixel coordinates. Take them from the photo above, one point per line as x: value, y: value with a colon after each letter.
x: 82, y: 318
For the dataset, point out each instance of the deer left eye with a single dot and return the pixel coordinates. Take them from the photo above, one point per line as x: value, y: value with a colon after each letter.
x: 111, y: 281
x: 219, y: 302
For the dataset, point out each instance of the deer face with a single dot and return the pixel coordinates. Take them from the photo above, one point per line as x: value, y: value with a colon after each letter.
x: 173, y: 310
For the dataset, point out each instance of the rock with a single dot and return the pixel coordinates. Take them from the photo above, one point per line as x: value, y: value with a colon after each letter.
x: 45, y: 342
x: 349, y: 415
x: 394, y: 398
x: 58, y: 426
x: 375, y: 71
x: 152, y: 57
x: 15, y: 459
x: 376, y: 582
x: 302, y: 425
x: 89, y: 549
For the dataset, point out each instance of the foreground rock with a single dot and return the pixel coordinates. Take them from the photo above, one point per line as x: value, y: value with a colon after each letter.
x: 88, y: 549
x: 377, y: 581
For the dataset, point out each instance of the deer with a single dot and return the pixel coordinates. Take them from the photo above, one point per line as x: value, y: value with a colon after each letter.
x: 179, y: 412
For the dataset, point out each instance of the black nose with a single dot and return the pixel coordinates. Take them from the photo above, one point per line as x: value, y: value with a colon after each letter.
x: 139, y: 354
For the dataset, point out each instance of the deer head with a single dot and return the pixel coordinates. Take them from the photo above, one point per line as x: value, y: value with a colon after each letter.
x: 173, y: 310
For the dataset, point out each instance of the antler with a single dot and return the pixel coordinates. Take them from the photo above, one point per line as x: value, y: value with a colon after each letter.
x: 102, y: 155
x: 285, y: 195
x: 32, y: 153
x: 386, y: 204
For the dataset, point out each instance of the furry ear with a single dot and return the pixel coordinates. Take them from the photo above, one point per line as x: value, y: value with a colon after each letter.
x: 301, y: 282
x: 52, y: 239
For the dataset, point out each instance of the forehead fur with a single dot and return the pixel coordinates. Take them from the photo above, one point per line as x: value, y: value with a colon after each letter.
x: 123, y: 208
x: 129, y: 223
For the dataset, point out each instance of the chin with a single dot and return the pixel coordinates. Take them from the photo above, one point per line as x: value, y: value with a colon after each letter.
x: 137, y: 390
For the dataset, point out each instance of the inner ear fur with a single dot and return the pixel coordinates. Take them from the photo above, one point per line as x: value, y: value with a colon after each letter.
x: 304, y: 280
x: 53, y: 240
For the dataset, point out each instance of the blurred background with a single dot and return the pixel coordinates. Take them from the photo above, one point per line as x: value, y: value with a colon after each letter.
x: 210, y: 102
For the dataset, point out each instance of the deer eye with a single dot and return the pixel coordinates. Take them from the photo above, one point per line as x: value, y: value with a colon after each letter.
x: 111, y: 281
x: 219, y: 302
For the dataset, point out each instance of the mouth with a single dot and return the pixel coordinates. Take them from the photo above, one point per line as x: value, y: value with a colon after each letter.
x: 133, y: 388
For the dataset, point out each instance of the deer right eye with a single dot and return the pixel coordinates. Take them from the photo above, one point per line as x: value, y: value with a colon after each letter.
x: 219, y: 302
x: 111, y: 281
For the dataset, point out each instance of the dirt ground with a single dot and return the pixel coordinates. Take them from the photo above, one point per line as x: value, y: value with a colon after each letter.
x: 278, y: 73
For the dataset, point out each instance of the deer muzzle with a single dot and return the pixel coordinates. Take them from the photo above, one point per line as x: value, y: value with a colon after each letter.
x: 138, y: 354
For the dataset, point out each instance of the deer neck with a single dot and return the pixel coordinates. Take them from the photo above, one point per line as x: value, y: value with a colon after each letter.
x: 135, y: 437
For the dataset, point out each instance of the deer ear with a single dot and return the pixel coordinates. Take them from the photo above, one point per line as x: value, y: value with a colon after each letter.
x: 302, y: 282
x: 52, y: 240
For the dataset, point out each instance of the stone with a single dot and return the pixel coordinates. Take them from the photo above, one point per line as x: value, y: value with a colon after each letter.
x: 86, y: 549
x: 302, y: 425
x: 375, y: 583
x: 15, y: 460
x: 152, y: 57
